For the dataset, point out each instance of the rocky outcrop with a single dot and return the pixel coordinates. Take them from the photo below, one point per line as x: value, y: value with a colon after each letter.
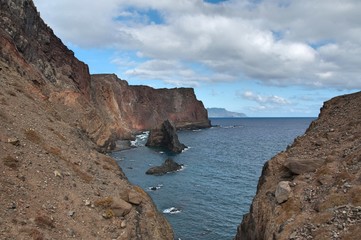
x: 312, y: 190
x: 165, y: 136
x: 168, y: 166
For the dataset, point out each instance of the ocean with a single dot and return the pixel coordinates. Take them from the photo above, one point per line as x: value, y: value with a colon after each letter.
x: 207, y: 199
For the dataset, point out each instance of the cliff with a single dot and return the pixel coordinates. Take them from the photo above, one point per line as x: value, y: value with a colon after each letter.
x: 103, y: 106
x: 55, y: 120
x: 312, y: 190
x: 135, y: 108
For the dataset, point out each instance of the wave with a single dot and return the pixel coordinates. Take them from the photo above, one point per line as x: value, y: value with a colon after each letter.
x: 196, y: 130
x: 182, y: 168
x: 186, y: 149
x: 156, y: 187
x: 232, y: 126
x: 171, y: 210
x: 140, y: 139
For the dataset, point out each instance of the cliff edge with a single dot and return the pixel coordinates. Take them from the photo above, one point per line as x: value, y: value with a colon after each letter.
x: 312, y: 190
x: 55, y: 122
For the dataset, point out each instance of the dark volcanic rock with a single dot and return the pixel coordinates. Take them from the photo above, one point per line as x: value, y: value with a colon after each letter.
x: 169, y: 165
x: 166, y: 137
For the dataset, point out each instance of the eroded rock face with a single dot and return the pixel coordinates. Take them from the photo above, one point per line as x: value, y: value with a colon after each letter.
x: 165, y: 136
x: 323, y: 168
x: 36, y: 44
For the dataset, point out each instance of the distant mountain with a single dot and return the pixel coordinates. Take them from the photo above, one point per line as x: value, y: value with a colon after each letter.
x: 222, y: 112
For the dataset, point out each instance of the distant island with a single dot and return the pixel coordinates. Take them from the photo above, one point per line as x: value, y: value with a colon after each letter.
x: 222, y: 112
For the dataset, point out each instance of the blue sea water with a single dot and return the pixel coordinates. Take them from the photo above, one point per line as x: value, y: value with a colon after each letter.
x: 213, y: 191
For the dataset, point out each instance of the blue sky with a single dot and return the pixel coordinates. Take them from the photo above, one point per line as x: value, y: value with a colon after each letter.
x: 264, y: 58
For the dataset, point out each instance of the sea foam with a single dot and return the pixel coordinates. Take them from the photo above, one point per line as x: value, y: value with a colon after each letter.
x: 171, y: 210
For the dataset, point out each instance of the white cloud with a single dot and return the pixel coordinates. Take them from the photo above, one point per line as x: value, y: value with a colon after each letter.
x: 169, y: 71
x: 264, y: 100
x: 277, y: 42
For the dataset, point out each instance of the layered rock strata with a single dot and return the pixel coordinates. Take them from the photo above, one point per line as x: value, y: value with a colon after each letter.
x: 312, y: 190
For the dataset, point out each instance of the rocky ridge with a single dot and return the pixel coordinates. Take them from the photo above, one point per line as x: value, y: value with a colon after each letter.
x: 56, y: 120
x: 312, y: 189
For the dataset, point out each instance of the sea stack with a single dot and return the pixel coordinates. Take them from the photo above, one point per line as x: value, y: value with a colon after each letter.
x: 165, y: 136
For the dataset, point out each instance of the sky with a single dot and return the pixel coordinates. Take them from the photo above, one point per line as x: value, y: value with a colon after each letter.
x: 264, y: 58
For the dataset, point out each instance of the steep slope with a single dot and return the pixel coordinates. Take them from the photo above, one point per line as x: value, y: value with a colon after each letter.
x: 312, y: 190
x: 54, y: 184
x: 54, y: 119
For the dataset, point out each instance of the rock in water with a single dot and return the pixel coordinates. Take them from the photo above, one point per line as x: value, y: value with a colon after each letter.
x: 166, y: 137
x: 169, y: 165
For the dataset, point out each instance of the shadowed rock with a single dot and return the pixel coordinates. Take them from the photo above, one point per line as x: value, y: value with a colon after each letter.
x: 165, y: 137
x: 169, y: 165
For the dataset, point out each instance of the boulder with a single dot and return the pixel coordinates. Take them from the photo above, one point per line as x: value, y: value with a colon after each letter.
x: 303, y: 165
x: 283, y: 191
x: 134, y: 197
x: 165, y: 136
x: 169, y: 165
x: 120, y: 207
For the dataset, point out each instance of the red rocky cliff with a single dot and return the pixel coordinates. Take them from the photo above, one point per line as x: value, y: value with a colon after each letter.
x: 142, y: 107
x: 103, y: 106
